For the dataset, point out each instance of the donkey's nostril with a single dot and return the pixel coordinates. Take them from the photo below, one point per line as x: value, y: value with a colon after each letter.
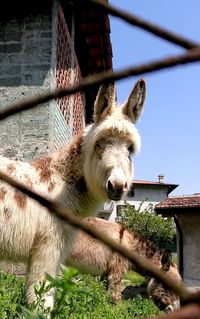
x: 114, y: 190
x: 110, y: 187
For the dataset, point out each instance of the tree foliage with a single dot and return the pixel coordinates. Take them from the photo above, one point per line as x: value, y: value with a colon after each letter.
x: 147, y: 224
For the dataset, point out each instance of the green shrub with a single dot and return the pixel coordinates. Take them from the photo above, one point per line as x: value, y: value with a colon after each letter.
x: 11, y: 296
x: 77, y: 297
x: 89, y: 299
x: 147, y: 224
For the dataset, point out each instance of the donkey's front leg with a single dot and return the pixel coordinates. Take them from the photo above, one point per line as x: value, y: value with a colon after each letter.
x: 114, y: 285
x: 44, y: 259
x: 117, y: 268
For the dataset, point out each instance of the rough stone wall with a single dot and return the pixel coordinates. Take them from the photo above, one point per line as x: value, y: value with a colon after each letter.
x: 190, y: 225
x: 25, y: 60
x: 30, y: 63
x: 33, y: 59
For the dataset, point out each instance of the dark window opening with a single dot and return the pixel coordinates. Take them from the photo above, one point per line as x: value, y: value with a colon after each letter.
x: 131, y: 192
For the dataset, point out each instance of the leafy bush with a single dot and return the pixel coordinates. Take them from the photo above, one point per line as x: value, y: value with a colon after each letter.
x: 77, y: 297
x: 11, y: 296
x: 88, y: 298
x: 147, y: 224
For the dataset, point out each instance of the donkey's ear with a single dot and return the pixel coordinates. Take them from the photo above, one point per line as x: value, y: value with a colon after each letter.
x: 166, y: 259
x: 134, y: 106
x: 105, y: 101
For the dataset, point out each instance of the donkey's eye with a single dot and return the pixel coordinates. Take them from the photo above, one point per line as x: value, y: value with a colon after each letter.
x: 99, y: 144
x: 99, y: 147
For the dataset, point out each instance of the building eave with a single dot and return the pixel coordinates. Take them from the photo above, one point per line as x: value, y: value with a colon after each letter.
x: 179, y: 205
x: 169, y: 186
x: 175, y: 211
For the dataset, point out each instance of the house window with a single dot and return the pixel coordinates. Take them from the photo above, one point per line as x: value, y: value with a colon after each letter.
x: 131, y: 192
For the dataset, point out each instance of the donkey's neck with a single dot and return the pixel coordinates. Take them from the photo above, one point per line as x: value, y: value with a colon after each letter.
x: 68, y: 162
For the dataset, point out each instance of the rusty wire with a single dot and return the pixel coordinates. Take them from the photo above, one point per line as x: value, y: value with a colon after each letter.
x: 144, y: 265
x: 97, y: 79
x: 190, y: 311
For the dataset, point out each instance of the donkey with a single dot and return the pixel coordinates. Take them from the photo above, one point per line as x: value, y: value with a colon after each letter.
x: 94, y: 168
x: 90, y: 255
x: 164, y: 298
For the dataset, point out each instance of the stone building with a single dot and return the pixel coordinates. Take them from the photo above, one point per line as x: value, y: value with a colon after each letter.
x: 186, y: 213
x: 43, y: 46
x: 46, y: 45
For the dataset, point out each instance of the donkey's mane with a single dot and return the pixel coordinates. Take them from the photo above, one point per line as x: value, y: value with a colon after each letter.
x: 150, y: 249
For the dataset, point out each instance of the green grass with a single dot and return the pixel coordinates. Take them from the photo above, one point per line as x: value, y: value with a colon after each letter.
x: 78, y: 297
x: 134, y: 278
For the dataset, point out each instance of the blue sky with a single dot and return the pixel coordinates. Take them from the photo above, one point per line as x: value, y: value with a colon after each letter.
x: 170, y: 125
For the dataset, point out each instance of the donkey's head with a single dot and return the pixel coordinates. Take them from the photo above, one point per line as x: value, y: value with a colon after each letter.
x: 165, y: 299
x: 111, y: 141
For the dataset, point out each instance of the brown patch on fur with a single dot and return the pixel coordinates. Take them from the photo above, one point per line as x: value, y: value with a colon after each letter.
x: 121, y: 232
x: 42, y: 165
x: 67, y: 155
x: 51, y: 186
x: 39, y: 241
x: 81, y: 185
x: 151, y: 250
x: 75, y: 147
x: 2, y: 193
x: 11, y: 168
x: 28, y: 181
x: 6, y: 213
x: 21, y: 199
x: 147, y: 247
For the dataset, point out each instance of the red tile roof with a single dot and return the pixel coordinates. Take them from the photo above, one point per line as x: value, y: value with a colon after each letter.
x: 179, y: 202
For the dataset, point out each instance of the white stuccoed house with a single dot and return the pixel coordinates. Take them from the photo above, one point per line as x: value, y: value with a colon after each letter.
x: 140, y: 191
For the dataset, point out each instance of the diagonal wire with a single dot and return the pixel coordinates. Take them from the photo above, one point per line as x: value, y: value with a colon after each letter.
x: 99, y: 78
x: 144, y: 265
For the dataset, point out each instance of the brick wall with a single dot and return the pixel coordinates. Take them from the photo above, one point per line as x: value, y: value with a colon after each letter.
x: 66, y: 72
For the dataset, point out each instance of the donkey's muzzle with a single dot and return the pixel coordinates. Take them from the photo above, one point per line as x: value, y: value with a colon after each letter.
x: 115, y: 189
